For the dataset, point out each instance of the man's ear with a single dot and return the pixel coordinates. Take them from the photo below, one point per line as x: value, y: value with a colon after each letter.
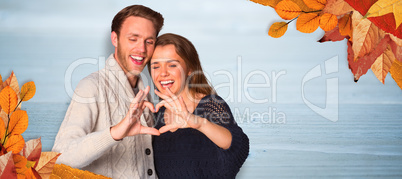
x: 114, y: 38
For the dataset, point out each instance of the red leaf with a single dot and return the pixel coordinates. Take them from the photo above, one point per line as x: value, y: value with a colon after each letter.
x: 7, y: 168
x: 32, y: 150
x: 385, y: 22
x: 397, y: 50
x: 332, y: 35
x: 361, y: 66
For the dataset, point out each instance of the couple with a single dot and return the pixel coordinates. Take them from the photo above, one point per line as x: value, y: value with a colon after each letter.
x: 112, y: 129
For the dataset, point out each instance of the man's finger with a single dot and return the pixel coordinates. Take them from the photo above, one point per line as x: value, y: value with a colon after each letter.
x: 149, y: 130
x: 150, y: 106
x: 136, y: 100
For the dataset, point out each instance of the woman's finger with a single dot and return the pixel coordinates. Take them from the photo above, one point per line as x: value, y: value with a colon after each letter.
x: 163, y: 103
x: 161, y: 95
x: 150, y: 106
x: 149, y: 130
x: 166, y: 128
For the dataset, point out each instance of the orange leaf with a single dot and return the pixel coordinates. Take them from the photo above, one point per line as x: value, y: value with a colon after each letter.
x: 27, y: 91
x: 18, y: 122
x: 366, y: 35
x: 397, y: 40
x: 32, y: 150
x: 337, y: 7
x: 8, y: 99
x: 271, y: 3
x: 46, y: 162
x: 7, y: 168
x: 315, y: 4
x: 20, y: 164
x: 64, y: 171
x: 2, y: 130
x: 12, y: 82
x: 277, y: 29
x: 345, y: 25
x: 396, y: 72
x: 287, y: 9
x: 308, y: 22
x: 32, y: 174
x: 328, y: 22
x: 383, y: 63
x: 397, y: 50
x: 15, y: 143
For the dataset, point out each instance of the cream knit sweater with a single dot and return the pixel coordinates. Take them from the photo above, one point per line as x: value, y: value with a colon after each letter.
x: 101, y: 100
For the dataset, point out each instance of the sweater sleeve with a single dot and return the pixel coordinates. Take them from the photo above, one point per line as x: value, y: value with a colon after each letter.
x: 76, y: 141
x: 218, y: 112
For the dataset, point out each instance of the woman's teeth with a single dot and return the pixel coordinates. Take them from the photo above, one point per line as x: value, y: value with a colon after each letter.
x: 166, y: 82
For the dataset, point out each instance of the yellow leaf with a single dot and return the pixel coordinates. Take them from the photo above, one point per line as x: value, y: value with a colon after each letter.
x: 345, y: 25
x: 12, y: 82
x: 64, y: 171
x: 27, y: 91
x: 271, y: 3
x: 383, y: 63
x: 337, y: 7
x: 277, y: 29
x: 382, y: 7
x: 366, y: 35
x: 328, y: 22
x: 396, y: 72
x: 308, y: 22
x: 18, y: 122
x: 46, y: 163
x: 315, y: 4
x: 287, y: 9
x: 15, y: 143
x: 8, y: 99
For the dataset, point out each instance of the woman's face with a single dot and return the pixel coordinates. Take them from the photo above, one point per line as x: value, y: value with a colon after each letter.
x: 168, y: 70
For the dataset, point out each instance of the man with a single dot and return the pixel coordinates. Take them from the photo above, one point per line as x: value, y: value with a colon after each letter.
x: 107, y: 129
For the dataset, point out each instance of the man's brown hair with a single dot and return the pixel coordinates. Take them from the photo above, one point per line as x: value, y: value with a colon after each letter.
x: 140, y: 11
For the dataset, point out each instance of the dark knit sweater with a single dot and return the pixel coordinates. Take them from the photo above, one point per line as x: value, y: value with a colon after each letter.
x: 188, y: 153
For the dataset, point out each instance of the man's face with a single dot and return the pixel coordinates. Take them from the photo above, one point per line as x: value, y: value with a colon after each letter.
x: 135, y: 44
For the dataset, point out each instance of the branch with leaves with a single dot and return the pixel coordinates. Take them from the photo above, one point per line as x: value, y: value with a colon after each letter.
x: 372, y: 27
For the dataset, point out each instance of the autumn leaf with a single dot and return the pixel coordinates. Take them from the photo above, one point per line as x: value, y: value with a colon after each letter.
x: 7, y: 168
x: 361, y: 66
x: 366, y: 35
x: 2, y: 130
x: 397, y: 50
x: 8, y: 99
x: 385, y: 22
x: 397, y: 40
x: 382, y: 7
x: 46, y: 162
x: 308, y: 22
x: 287, y: 9
x: 12, y: 82
x: 1, y: 83
x: 337, y: 7
x: 277, y: 29
x: 18, y: 122
x: 32, y: 150
x: 20, y: 164
x: 27, y: 91
x: 382, y: 64
x: 32, y: 174
x: 315, y: 4
x: 332, y: 35
x: 64, y: 171
x: 345, y: 25
x: 328, y: 22
x: 15, y: 143
x: 396, y: 72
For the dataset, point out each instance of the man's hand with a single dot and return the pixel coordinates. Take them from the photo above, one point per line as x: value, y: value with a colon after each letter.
x: 131, y: 125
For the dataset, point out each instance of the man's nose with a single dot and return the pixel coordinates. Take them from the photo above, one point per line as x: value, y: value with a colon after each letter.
x: 141, y: 47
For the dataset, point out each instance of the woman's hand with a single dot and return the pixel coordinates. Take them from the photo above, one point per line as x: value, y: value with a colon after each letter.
x: 179, y: 116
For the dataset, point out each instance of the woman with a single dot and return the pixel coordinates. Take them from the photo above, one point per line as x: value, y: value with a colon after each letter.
x: 199, y: 137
